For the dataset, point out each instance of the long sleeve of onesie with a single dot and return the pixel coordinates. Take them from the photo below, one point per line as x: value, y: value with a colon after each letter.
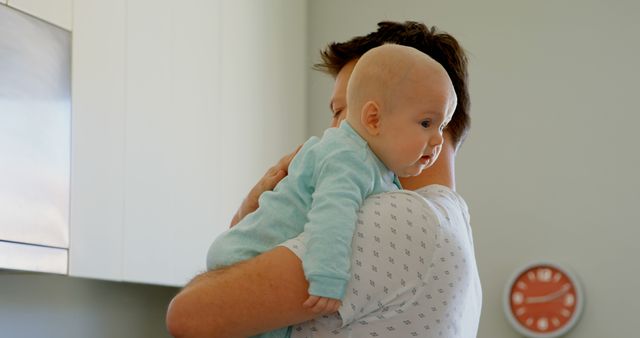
x: 343, y: 181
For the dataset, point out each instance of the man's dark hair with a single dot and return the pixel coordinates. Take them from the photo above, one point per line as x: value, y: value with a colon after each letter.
x: 440, y: 46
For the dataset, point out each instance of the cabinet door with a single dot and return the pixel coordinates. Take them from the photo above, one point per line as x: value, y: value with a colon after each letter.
x: 58, y: 12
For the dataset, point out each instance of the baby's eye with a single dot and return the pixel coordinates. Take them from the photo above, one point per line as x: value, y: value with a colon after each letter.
x: 425, y: 123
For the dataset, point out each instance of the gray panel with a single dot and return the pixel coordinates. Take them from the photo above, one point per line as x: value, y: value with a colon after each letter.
x: 35, y: 114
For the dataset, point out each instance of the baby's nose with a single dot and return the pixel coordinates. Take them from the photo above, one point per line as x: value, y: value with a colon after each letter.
x: 436, y: 140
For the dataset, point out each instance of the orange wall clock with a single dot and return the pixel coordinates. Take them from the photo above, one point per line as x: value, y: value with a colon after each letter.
x: 543, y: 300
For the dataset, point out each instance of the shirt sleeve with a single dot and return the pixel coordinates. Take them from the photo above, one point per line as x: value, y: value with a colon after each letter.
x: 342, y: 182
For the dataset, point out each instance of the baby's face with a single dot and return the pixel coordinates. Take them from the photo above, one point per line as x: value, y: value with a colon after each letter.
x: 410, y: 136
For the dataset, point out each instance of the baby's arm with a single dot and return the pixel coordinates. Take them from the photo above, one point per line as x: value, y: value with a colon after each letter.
x: 341, y: 184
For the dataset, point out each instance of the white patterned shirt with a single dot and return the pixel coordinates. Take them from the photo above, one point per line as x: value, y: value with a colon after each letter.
x: 413, y: 271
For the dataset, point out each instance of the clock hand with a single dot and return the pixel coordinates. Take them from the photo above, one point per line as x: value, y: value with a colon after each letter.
x: 549, y: 297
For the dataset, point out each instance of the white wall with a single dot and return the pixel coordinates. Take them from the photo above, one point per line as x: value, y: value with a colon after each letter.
x: 62, y: 307
x: 549, y: 170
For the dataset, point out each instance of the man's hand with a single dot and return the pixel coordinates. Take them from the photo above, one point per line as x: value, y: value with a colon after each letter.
x: 322, y: 305
x: 268, y: 182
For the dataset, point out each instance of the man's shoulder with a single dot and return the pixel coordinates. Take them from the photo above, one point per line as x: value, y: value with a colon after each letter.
x: 396, y: 197
x: 434, y: 199
x: 431, y: 193
x: 443, y: 196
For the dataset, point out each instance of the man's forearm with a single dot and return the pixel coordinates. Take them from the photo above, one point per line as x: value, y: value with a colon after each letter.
x: 255, y: 296
x: 187, y: 313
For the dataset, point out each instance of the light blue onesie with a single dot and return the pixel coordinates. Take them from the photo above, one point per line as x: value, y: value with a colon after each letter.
x: 327, y: 182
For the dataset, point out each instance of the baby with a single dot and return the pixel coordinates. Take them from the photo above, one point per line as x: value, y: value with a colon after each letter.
x: 399, y: 101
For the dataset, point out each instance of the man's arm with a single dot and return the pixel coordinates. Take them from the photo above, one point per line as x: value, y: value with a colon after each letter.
x: 254, y: 296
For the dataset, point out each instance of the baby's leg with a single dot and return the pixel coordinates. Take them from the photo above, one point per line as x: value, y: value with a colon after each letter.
x: 257, y: 233
x: 228, y: 249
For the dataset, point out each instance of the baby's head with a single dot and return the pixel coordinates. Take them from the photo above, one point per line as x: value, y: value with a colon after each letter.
x: 399, y: 101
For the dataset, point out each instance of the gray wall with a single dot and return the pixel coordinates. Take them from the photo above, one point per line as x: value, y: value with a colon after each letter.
x: 51, y: 306
x: 550, y: 168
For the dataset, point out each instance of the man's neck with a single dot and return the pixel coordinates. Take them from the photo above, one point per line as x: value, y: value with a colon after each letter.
x: 442, y: 172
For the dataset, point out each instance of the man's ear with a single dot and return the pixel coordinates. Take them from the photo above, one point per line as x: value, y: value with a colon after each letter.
x: 370, y: 117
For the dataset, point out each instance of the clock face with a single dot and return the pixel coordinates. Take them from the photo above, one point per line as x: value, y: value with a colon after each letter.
x: 543, y: 300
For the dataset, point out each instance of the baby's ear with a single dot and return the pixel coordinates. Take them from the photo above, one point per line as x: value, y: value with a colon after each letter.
x: 370, y: 117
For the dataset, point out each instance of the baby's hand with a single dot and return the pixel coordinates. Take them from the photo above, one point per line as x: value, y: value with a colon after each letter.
x: 322, y: 305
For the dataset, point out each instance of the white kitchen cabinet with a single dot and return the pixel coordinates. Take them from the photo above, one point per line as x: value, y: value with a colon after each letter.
x: 179, y: 107
x: 98, y: 140
x: 57, y: 12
